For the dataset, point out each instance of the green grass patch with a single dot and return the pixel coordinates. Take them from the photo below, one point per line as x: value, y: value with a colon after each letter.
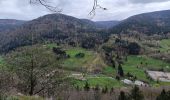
x: 74, y: 62
x: 145, y: 62
x: 104, y: 82
x: 100, y: 81
x: 165, y: 45
x: 109, y: 71
x: 137, y: 64
x: 52, y: 45
x: 139, y: 73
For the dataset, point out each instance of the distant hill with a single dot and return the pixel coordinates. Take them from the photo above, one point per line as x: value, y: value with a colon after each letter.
x: 106, y: 24
x: 148, y: 23
x: 6, y: 24
x: 101, y: 24
x: 53, y: 27
x: 61, y: 28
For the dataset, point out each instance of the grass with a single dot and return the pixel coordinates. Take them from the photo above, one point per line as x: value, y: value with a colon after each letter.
x: 51, y: 45
x: 139, y: 73
x: 104, y: 82
x: 74, y: 62
x: 109, y: 71
x: 134, y: 66
x: 100, y: 81
x: 145, y: 62
x: 137, y: 65
x: 165, y: 45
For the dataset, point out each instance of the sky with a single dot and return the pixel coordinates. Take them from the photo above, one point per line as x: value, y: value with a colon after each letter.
x: 116, y: 9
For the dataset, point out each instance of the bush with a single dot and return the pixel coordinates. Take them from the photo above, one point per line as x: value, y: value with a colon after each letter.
x: 134, y: 48
x: 80, y: 55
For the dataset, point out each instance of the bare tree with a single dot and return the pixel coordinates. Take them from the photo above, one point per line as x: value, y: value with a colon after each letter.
x: 54, y: 9
x: 36, y: 70
x: 96, y: 6
x: 46, y: 5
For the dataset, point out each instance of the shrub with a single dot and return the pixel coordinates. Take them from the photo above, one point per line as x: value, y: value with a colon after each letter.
x: 134, y: 48
x: 80, y: 55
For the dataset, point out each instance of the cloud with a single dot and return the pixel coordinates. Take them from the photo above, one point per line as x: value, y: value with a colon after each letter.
x: 117, y: 9
x: 147, y: 1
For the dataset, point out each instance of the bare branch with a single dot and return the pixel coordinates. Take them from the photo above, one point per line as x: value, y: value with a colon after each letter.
x: 57, y: 10
x: 96, y: 6
x: 46, y: 5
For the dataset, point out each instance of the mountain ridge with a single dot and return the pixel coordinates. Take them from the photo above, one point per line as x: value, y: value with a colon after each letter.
x: 148, y: 23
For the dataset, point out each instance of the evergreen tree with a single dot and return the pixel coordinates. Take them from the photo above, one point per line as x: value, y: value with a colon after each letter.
x: 122, y: 96
x: 113, y: 63
x: 120, y: 70
x: 105, y: 90
x: 136, y: 94
x: 87, y: 87
x: 163, y: 96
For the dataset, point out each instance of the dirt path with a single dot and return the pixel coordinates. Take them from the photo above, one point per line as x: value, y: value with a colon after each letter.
x: 96, y: 63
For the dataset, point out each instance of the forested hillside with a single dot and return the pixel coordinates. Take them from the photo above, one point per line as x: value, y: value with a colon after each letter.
x: 147, y: 23
x: 53, y: 28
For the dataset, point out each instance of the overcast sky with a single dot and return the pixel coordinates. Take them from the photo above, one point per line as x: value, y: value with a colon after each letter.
x: 117, y: 9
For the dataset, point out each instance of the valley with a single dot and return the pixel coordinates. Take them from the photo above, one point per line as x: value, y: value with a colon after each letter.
x: 59, y: 52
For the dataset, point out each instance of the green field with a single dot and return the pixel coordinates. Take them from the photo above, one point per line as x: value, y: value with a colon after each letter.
x: 100, y: 81
x: 165, y: 45
x: 137, y: 65
x: 109, y: 71
x: 145, y: 62
x: 74, y: 62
